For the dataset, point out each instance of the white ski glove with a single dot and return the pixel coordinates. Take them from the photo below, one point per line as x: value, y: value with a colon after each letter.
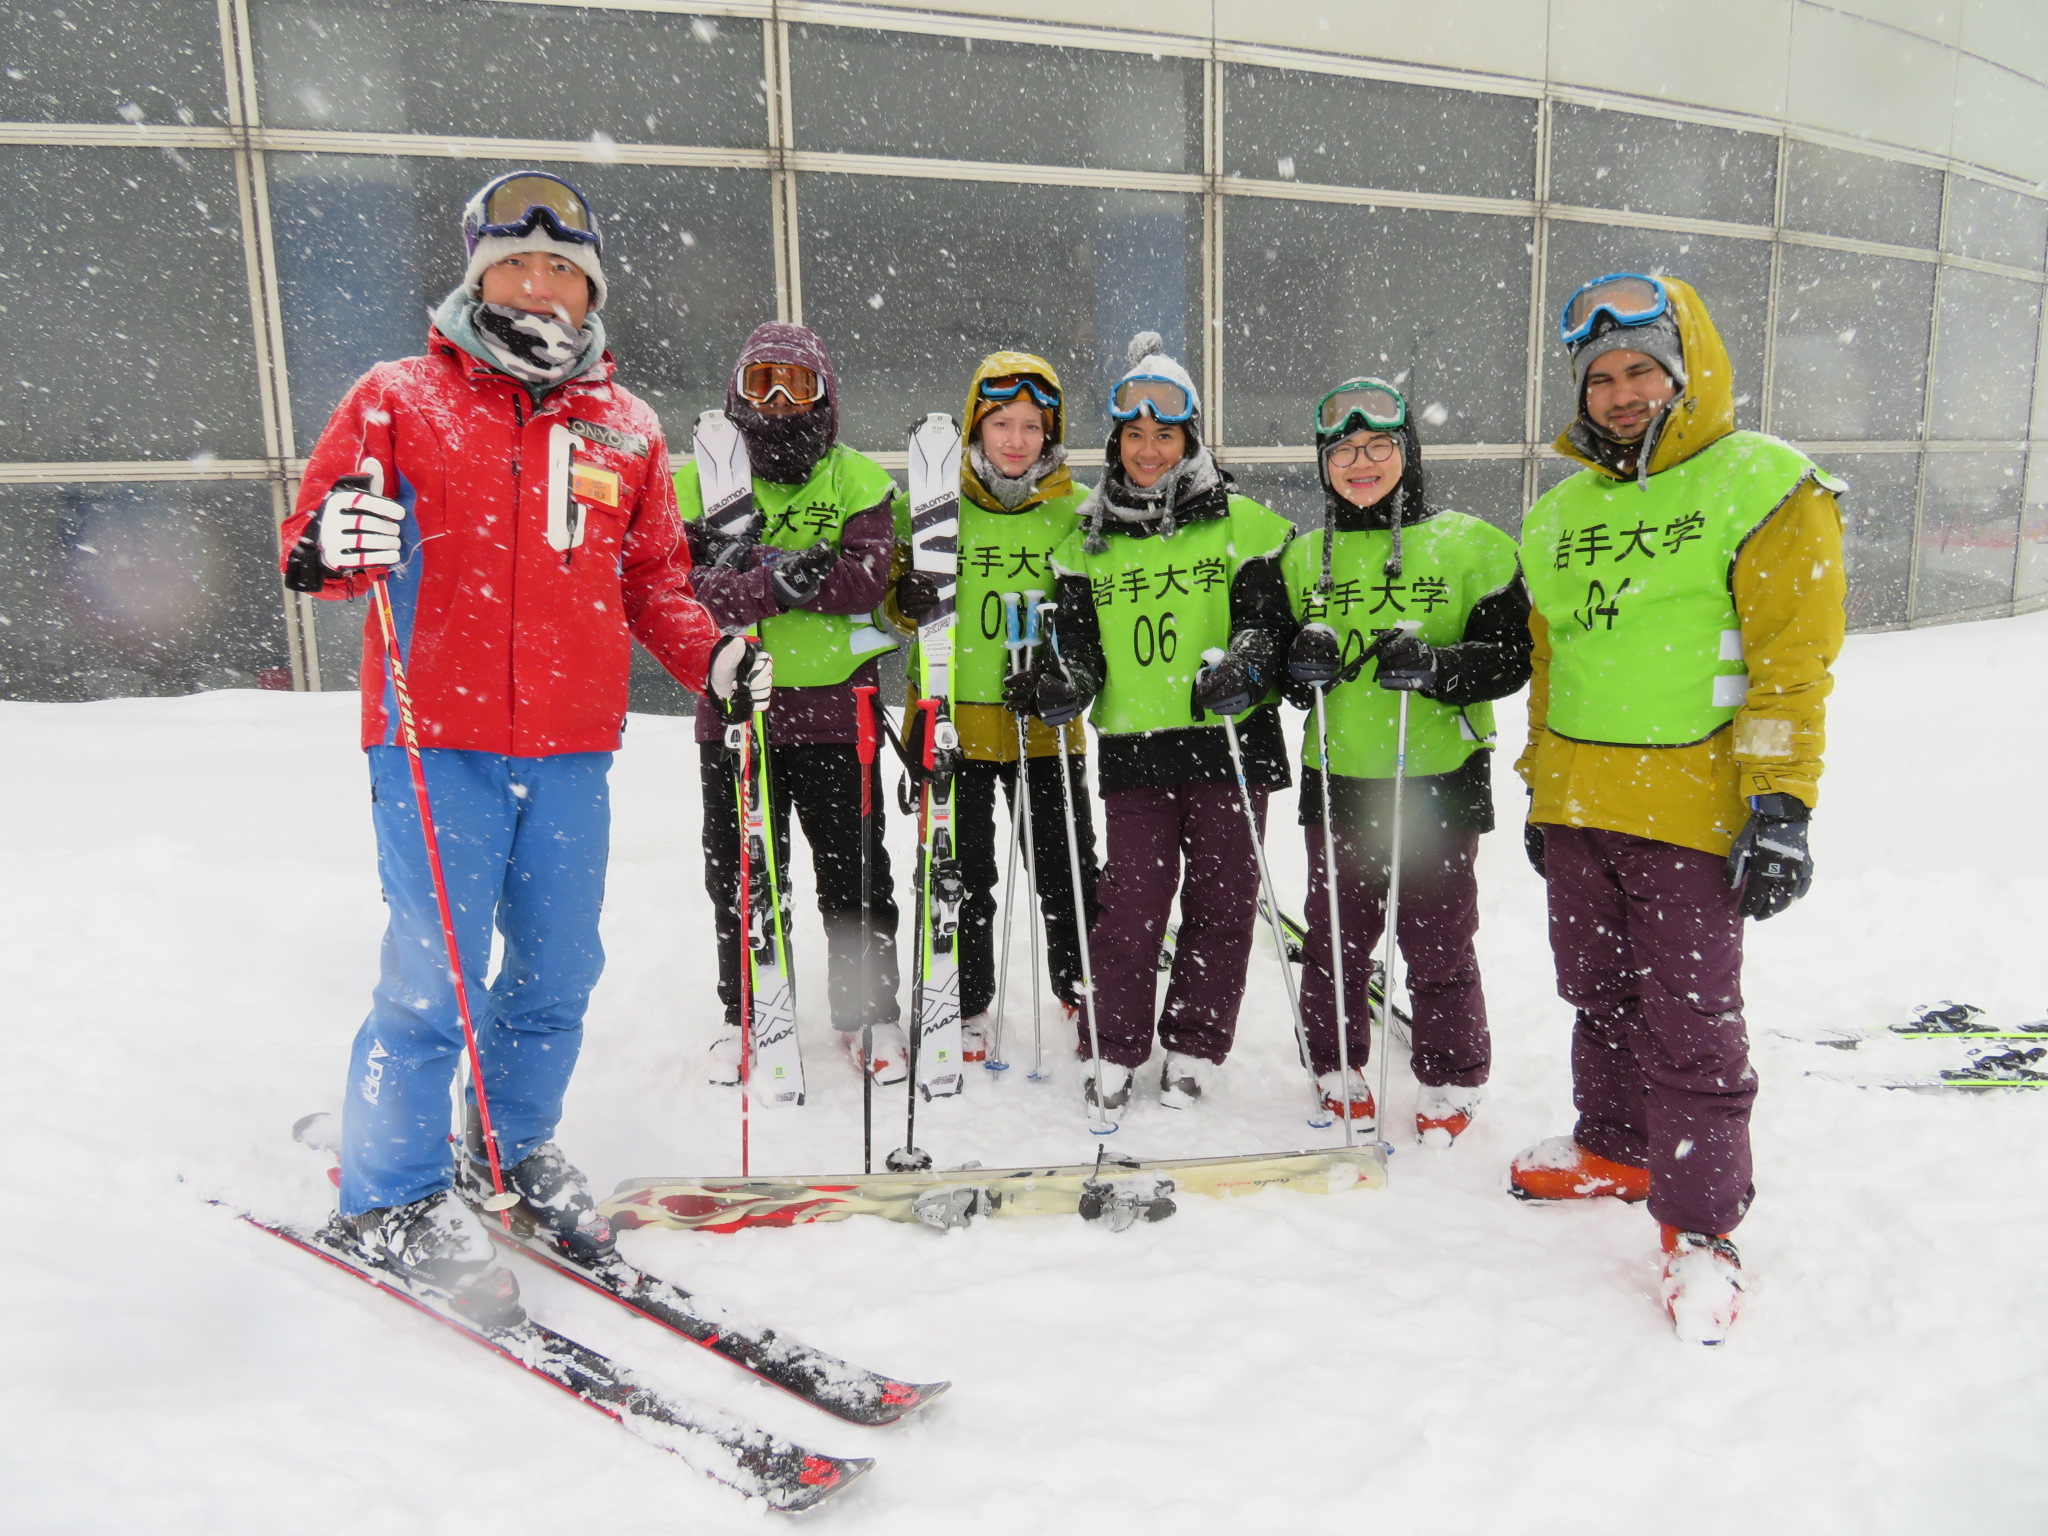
x: 358, y: 530
x: 741, y: 676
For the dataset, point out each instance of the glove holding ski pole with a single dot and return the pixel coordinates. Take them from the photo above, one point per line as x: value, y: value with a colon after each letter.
x: 1407, y: 664
x: 1770, y: 861
x: 1054, y: 695
x: 1229, y: 684
x: 355, y: 532
x: 741, y: 677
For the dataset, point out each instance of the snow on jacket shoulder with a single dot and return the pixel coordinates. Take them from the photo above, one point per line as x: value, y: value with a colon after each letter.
x: 538, y: 542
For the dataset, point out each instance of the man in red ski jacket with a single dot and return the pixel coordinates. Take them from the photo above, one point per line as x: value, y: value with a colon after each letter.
x: 517, y: 503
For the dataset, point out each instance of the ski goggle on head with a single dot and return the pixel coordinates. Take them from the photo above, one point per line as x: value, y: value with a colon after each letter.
x: 760, y: 383
x: 1360, y: 403
x: 1007, y: 387
x: 518, y: 204
x: 1164, y: 400
x: 1626, y: 298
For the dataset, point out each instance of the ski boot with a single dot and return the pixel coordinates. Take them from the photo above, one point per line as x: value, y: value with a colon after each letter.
x: 1702, y: 1284
x: 1114, y: 1091
x: 722, y: 1061
x: 892, y: 1052
x: 436, y: 1244
x: 555, y: 1203
x: 1442, y: 1114
x: 1182, y: 1079
x: 1345, y: 1094
x: 1560, y: 1169
x: 974, y: 1035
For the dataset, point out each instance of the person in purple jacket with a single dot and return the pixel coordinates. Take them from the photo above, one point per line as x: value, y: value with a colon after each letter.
x: 808, y: 586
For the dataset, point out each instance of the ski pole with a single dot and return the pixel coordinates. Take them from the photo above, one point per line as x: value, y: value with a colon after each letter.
x: 740, y: 738
x: 908, y: 1158
x: 1013, y: 645
x: 1032, y: 599
x: 1103, y: 1126
x: 1393, y: 910
x: 864, y: 716
x: 501, y: 1200
x: 1251, y: 821
x: 1336, y: 928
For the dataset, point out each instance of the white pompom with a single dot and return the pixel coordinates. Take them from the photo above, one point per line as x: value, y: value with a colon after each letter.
x: 1143, y: 345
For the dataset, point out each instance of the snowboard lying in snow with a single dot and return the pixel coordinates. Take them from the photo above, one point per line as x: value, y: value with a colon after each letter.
x: 1110, y: 1191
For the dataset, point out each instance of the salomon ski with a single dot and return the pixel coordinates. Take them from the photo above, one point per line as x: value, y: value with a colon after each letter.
x: 1936, y: 1021
x: 1985, y: 1071
x: 1111, y: 1191
x: 753, y: 1462
x: 934, y: 473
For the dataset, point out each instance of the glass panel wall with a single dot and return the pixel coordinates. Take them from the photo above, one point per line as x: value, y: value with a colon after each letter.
x: 1969, y: 532
x: 153, y: 62
x: 1625, y: 161
x: 1984, y: 356
x: 1852, y: 345
x: 2031, y: 577
x: 1877, y: 533
x: 133, y: 591
x: 1992, y: 224
x: 1862, y: 197
x: 122, y: 271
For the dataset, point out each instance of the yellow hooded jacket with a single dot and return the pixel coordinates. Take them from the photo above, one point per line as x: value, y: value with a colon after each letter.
x: 1789, y: 589
x: 988, y: 732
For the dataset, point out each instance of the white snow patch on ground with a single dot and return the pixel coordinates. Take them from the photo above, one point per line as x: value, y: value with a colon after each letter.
x: 192, y: 921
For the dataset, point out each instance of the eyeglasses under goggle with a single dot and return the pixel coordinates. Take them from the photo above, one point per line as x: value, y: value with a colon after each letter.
x: 1165, y: 400
x: 1626, y: 298
x: 1008, y: 386
x: 517, y: 204
x: 760, y: 383
x: 1361, y: 402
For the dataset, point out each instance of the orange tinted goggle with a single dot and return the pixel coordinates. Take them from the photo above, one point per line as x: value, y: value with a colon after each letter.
x: 760, y: 383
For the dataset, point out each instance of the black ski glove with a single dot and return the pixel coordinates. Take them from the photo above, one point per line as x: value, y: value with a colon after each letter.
x: 797, y: 578
x: 917, y: 594
x: 1406, y: 661
x: 1316, y: 656
x: 1054, y: 695
x: 1532, y: 845
x: 1769, y: 861
x: 1225, y: 686
x: 1020, y: 691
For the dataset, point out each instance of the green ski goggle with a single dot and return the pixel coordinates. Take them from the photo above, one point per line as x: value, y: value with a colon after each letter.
x: 1360, y: 403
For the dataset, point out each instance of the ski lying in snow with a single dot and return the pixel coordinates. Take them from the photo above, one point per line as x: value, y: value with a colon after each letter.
x: 1987, y: 1070
x: 725, y: 1449
x: 1937, y: 1021
x: 845, y: 1391
x: 934, y: 475
x: 1111, y: 1191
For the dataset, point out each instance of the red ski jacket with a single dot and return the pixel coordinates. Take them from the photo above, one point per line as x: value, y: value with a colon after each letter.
x: 536, y: 542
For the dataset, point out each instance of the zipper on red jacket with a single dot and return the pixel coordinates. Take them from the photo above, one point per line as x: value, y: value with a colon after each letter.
x: 512, y: 602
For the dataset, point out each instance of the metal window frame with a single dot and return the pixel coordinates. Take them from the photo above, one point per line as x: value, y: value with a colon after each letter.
x: 249, y: 142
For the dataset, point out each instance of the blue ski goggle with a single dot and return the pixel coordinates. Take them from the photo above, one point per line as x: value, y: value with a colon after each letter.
x: 1165, y: 400
x: 1007, y: 387
x: 1626, y: 298
x: 524, y: 201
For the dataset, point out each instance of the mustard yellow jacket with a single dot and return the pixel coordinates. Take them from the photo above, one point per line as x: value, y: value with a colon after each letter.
x: 1789, y: 589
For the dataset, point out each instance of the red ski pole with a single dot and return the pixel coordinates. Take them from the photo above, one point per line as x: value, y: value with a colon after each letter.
x: 408, y: 732
x: 864, y: 713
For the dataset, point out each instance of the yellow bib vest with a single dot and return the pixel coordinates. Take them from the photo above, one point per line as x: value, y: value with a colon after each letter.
x: 1448, y: 563
x: 811, y: 650
x: 1160, y: 603
x: 1001, y: 552
x: 1635, y: 583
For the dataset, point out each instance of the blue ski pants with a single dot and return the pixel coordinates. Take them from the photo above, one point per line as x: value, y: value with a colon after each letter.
x: 524, y: 842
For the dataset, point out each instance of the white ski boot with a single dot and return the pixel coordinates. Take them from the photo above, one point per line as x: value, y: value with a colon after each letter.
x: 437, y: 1244
x: 1182, y: 1079
x: 722, y: 1061
x: 974, y: 1037
x: 1702, y: 1285
x: 892, y: 1053
x: 1442, y: 1114
x: 1115, y: 1088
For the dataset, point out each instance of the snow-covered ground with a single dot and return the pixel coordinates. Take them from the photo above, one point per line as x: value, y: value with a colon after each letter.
x: 191, y: 919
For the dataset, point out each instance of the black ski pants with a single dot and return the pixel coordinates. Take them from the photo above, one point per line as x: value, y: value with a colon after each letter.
x: 984, y: 856
x: 821, y: 781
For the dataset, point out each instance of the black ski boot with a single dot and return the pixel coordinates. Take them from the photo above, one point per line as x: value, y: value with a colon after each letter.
x: 554, y: 1200
x: 437, y: 1244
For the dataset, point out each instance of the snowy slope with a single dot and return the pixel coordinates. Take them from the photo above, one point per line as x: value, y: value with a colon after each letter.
x: 192, y: 919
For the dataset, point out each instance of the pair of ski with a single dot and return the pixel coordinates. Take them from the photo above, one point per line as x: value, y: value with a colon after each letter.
x: 786, y: 1476
x: 772, y: 1058
x: 2009, y: 1056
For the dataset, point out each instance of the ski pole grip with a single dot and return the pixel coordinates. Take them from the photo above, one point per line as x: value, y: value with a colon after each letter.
x: 929, y: 708
x: 1013, y: 622
x: 864, y: 716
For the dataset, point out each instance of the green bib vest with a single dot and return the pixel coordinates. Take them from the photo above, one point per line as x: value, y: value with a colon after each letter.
x: 1635, y: 583
x: 811, y: 650
x: 1160, y: 603
x: 1448, y: 563
x: 1001, y: 552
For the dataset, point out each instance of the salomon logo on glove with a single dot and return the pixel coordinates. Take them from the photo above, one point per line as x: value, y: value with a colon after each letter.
x: 1770, y: 862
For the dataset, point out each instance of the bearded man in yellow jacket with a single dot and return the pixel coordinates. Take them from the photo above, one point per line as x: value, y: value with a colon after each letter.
x: 1687, y: 592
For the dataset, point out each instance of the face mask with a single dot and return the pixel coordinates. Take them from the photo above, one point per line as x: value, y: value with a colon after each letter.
x: 535, y: 349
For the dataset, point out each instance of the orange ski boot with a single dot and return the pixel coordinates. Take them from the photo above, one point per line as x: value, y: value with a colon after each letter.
x: 1561, y: 1169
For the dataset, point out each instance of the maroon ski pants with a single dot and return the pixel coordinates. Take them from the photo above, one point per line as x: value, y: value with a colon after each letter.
x: 1648, y: 942
x: 1439, y: 915
x: 1151, y: 833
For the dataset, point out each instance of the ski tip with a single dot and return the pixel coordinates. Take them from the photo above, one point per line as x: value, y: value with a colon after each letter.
x: 819, y: 1478
x: 898, y: 1400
